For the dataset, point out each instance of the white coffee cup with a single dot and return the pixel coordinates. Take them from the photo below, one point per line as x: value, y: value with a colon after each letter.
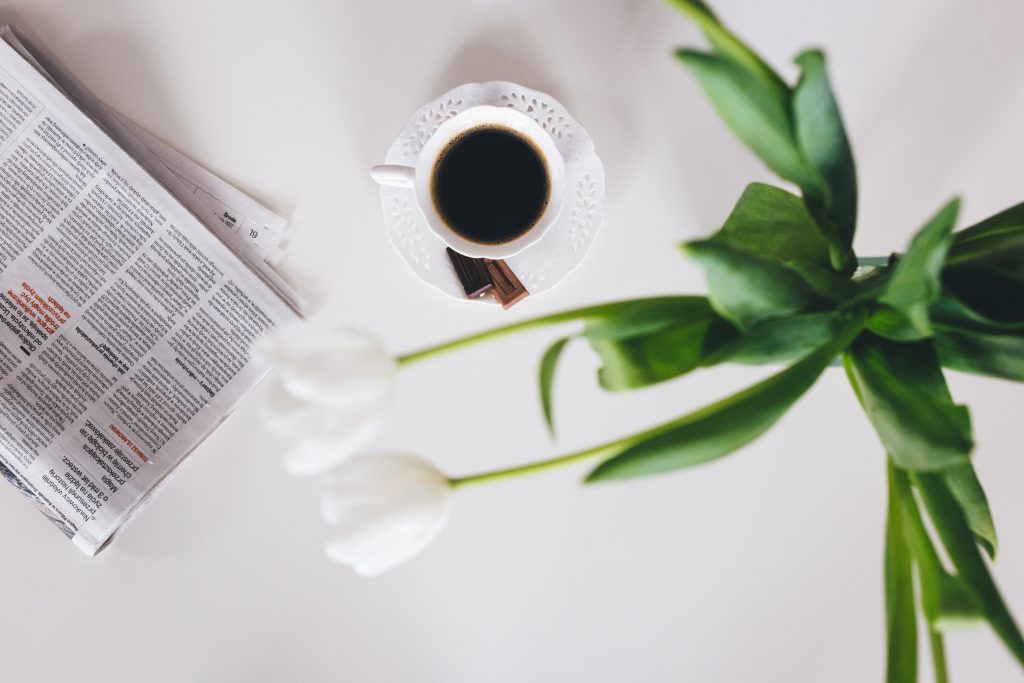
x: 420, y: 177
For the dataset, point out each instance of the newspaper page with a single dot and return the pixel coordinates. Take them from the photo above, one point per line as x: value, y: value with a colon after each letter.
x: 252, y: 224
x: 125, y: 323
x: 251, y: 230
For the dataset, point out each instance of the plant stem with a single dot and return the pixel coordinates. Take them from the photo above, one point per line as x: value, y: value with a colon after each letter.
x: 601, y: 451
x: 521, y: 326
x: 606, y: 449
x: 938, y: 657
x: 849, y: 331
x: 584, y: 313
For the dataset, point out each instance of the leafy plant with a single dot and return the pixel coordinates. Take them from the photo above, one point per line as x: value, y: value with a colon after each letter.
x: 784, y: 287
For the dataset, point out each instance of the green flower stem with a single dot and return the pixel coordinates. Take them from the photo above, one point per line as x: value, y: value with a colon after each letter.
x: 597, y: 452
x: 575, y: 314
x: 601, y: 452
x: 617, y: 446
x: 938, y: 657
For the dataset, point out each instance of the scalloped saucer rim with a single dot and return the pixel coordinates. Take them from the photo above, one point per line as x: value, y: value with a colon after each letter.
x: 541, y: 266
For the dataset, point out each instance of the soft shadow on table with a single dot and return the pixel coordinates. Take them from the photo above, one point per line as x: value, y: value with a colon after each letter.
x: 595, y: 58
x: 511, y: 52
x: 90, y: 55
x: 580, y: 64
x: 186, y: 518
x: 98, y: 57
x: 506, y: 53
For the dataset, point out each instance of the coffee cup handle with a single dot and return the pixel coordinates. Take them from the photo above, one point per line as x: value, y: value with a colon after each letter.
x: 394, y: 175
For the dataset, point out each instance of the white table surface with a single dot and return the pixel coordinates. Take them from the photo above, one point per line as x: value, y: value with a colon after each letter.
x: 766, y: 566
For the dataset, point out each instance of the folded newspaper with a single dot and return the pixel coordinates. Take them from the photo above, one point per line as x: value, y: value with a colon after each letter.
x: 132, y: 285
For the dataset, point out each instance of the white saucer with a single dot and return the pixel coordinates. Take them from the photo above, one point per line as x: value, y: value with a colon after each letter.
x: 540, y: 266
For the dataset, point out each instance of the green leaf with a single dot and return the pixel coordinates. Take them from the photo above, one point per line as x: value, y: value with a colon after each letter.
x: 992, y: 293
x: 748, y: 289
x: 914, y: 284
x: 781, y: 340
x: 728, y: 46
x: 993, y: 354
x: 998, y: 241
x: 639, y: 317
x: 965, y: 486
x: 893, y: 324
x: 916, y: 366
x: 973, y: 340
x: 757, y: 113
x: 822, y: 138
x: 921, y: 429
x: 949, y: 312
x: 900, y: 616
x: 652, y: 351
x: 774, y: 224
x: 946, y: 600
x: 728, y: 424
x: 957, y: 607
x: 957, y: 538
x: 771, y: 222
x: 919, y: 365
x: 683, y: 343
x: 798, y: 133
x: 548, y: 364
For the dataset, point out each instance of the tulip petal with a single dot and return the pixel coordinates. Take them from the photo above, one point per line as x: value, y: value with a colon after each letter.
x: 284, y: 414
x: 386, y: 508
x: 292, y: 340
x: 341, y: 378
x: 394, y: 537
x: 332, y: 365
x: 313, y: 456
x: 325, y: 436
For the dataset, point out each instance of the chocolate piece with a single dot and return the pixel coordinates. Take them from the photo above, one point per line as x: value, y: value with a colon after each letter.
x: 472, y: 273
x: 508, y: 290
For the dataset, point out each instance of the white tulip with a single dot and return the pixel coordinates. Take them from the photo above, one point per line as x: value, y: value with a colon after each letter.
x: 386, y: 508
x: 331, y: 392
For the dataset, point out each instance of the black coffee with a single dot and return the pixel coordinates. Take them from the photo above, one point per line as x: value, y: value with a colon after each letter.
x: 490, y: 185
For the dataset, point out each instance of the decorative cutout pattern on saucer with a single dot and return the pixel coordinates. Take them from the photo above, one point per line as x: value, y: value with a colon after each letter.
x: 545, y: 112
x: 427, y: 121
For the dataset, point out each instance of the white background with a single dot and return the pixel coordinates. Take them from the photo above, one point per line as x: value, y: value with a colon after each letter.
x: 765, y: 566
